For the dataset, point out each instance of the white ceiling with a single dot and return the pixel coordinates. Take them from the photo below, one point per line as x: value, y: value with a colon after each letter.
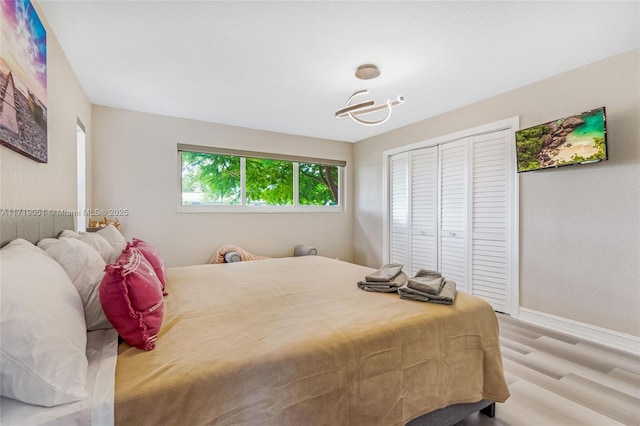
x: 288, y: 66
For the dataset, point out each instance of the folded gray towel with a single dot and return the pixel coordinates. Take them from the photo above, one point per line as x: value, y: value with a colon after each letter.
x: 378, y: 288
x: 427, y: 281
x: 406, y: 292
x: 385, y: 274
x: 428, y: 273
x: 446, y: 296
x: 384, y: 287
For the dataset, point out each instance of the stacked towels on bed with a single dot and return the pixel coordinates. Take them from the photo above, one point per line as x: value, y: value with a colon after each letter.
x: 388, y: 279
x: 425, y: 286
x: 429, y: 286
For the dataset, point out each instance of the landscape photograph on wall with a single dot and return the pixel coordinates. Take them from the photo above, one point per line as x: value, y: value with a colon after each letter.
x: 23, y: 80
x: 576, y: 139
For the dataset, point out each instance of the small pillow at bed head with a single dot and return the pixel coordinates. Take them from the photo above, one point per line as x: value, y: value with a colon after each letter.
x: 305, y: 250
x: 232, y: 256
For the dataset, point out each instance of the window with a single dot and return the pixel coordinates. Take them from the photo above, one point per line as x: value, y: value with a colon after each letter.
x: 269, y: 182
x: 210, y: 179
x: 217, y: 179
x: 318, y: 184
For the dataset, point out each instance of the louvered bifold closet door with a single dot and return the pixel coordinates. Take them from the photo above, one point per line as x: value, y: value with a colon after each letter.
x: 399, y: 218
x: 454, y: 184
x: 490, y: 271
x: 424, y: 208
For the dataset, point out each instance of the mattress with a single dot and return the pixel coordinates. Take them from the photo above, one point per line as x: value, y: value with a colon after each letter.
x: 293, y: 341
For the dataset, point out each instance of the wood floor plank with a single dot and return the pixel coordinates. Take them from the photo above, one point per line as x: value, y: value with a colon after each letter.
x: 531, y: 363
x: 616, y: 405
x: 565, y: 366
x: 535, y: 406
x: 621, y: 359
x: 625, y: 376
x: 515, y: 346
x: 560, y: 380
x: 506, y: 321
x: 574, y: 353
x: 510, y: 378
x: 523, y: 336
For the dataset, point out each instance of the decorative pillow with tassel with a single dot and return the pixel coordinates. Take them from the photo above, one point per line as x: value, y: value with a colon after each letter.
x: 153, y: 257
x: 131, y: 297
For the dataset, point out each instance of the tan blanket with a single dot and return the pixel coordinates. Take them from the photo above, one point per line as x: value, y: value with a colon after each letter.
x: 218, y: 256
x: 292, y: 341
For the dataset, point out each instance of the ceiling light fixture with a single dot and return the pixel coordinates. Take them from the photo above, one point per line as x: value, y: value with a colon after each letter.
x: 367, y: 107
x: 367, y: 72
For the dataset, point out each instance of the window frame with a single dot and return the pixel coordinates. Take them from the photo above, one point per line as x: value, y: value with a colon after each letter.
x: 243, y: 207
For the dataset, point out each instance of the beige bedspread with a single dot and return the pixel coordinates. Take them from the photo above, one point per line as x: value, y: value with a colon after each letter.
x: 293, y: 341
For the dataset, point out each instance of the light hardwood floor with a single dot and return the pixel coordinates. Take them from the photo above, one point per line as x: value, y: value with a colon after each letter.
x: 559, y: 380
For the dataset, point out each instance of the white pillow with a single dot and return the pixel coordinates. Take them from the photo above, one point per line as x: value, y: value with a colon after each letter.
x: 96, y: 241
x: 85, y: 267
x: 113, y: 237
x: 46, y: 243
x: 42, y: 329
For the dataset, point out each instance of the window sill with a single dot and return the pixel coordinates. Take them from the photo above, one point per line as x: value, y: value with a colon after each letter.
x: 260, y: 209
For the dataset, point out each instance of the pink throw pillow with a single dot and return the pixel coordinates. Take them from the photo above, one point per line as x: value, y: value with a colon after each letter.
x: 131, y: 297
x: 153, y: 257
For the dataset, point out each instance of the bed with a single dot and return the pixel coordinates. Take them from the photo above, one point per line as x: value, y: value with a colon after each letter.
x: 293, y: 341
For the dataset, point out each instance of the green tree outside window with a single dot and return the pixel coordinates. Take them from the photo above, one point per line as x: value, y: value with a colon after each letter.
x: 213, y: 179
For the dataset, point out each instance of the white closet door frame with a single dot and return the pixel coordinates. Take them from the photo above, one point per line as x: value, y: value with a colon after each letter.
x: 490, y: 218
x: 424, y: 233
x: 511, y: 124
x: 404, y: 159
x: 454, y: 234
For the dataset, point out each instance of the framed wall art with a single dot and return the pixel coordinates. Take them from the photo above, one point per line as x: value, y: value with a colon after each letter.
x: 23, y: 80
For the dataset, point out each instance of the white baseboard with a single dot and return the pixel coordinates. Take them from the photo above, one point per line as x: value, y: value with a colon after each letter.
x: 602, y: 336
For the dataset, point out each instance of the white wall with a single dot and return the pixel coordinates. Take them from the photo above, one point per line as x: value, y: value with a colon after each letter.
x: 135, y: 167
x: 580, y: 225
x: 25, y: 183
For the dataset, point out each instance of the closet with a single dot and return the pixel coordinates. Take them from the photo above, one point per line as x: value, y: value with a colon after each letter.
x: 452, y: 207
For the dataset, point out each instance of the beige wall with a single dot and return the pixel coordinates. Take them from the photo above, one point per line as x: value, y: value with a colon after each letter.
x: 579, y: 226
x: 25, y: 183
x: 135, y: 167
